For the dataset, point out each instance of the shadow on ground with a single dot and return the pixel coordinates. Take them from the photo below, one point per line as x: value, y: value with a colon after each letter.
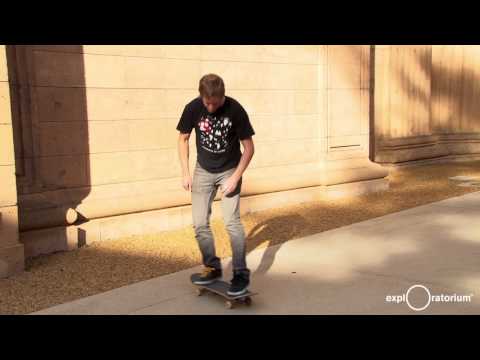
x: 63, y: 277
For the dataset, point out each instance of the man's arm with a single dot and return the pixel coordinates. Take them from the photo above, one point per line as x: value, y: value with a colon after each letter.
x: 183, y: 152
x: 248, y: 151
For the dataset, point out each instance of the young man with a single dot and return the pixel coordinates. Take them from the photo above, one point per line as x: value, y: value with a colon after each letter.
x: 220, y: 124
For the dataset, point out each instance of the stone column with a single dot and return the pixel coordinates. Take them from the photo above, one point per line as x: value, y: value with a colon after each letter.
x: 11, y: 250
x: 346, y: 122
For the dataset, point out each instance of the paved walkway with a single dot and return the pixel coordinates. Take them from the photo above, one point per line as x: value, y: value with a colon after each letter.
x: 349, y: 270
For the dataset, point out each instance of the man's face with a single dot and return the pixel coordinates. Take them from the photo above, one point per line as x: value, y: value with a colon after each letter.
x: 213, y: 103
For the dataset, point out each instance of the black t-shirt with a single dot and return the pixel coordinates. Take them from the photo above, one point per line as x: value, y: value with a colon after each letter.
x: 218, y: 134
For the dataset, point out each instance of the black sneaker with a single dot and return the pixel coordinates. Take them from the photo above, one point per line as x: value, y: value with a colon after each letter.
x: 239, y: 284
x: 208, y: 276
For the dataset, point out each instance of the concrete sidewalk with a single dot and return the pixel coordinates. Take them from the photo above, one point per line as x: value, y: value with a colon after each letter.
x: 348, y: 270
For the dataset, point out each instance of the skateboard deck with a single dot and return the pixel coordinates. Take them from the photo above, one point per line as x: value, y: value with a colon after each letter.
x: 220, y: 287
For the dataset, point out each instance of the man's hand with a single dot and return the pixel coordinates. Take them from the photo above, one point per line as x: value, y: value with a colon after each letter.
x: 230, y: 185
x: 187, y: 183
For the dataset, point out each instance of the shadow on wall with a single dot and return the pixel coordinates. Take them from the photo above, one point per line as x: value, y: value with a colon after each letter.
x: 449, y: 100
x: 456, y: 88
x: 51, y: 140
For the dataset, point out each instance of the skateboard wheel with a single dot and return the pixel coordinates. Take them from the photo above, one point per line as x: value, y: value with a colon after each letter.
x: 199, y: 292
x: 248, y: 301
x: 229, y: 304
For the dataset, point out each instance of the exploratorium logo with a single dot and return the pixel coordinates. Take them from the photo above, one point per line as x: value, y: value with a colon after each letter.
x: 405, y: 298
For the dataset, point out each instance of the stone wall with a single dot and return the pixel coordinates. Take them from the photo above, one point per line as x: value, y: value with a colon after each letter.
x: 11, y: 250
x: 95, y: 135
x: 426, y: 104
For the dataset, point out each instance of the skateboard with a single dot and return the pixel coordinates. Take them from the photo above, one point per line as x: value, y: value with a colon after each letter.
x: 220, y: 287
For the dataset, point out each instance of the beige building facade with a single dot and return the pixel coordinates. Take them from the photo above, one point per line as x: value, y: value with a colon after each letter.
x: 89, y: 145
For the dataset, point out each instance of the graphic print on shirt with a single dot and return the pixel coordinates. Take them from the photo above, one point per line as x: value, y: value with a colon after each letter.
x: 213, y: 133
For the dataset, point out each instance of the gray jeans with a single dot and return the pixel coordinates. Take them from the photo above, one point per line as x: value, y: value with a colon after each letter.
x: 204, y: 188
